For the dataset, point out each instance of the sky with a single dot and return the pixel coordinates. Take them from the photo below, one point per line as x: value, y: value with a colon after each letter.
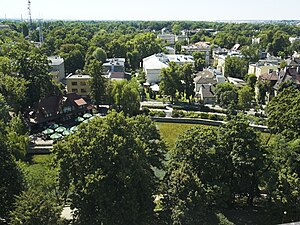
x: 196, y: 10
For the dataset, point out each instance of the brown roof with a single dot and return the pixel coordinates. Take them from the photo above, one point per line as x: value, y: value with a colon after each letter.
x: 269, y: 76
x: 80, y: 102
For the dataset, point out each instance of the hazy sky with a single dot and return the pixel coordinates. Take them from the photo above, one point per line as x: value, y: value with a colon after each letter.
x: 153, y: 9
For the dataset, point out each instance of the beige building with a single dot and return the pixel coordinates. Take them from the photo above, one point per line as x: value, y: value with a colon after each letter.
x: 262, y: 68
x: 78, y: 84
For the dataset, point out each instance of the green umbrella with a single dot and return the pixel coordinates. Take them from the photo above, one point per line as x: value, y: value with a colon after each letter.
x: 87, y: 115
x: 48, y: 131
x: 92, y: 117
x: 79, y: 119
x: 55, y: 136
x: 60, y: 129
x: 53, y: 126
x: 74, y: 129
x: 66, y: 132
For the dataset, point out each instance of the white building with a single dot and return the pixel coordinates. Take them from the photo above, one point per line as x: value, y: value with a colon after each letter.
x: 153, y: 64
x: 57, y: 68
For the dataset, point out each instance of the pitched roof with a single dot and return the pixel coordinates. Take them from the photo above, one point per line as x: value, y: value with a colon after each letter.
x: 269, y: 76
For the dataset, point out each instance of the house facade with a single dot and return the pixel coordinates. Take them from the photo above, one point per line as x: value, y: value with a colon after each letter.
x: 78, y: 84
x: 57, y: 109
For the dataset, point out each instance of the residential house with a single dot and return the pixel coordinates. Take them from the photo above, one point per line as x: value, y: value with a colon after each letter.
x: 288, y: 74
x: 204, y: 85
x: 153, y: 65
x: 271, y: 78
x: 114, y: 69
x: 57, y: 68
x: 198, y: 47
x: 56, y: 109
x: 78, y: 84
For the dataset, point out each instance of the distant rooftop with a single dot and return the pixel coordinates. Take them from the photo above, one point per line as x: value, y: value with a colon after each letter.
x: 76, y: 76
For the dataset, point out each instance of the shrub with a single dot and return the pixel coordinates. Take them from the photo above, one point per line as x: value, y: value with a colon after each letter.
x: 145, y: 111
x: 204, y: 115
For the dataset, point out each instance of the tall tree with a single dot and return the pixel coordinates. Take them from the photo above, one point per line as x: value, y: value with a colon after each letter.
x: 245, y: 97
x: 193, y: 184
x: 170, y: 80
x: 186, y: 72
x: 240, y: 145
x: 11, y: 178
x: 97, y: 82
x: 108, y: 171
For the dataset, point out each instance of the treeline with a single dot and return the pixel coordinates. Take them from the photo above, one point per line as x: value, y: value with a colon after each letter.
x: 76, y: 41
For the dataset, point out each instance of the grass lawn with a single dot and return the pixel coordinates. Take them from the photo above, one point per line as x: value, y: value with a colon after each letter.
x: 170, y: 131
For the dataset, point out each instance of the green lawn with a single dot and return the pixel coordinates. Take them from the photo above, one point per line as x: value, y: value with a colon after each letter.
x: 170, y: 131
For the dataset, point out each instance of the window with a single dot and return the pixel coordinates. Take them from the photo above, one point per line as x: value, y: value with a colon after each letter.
x: 82, y: 83
x: 74, y: 83
x: 75, y: 90
x: 83, y: 91
x: 67, y: 109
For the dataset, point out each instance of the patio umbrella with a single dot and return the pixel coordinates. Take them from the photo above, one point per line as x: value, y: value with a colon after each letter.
x: 87, y: 115
x: 55, y: 136
x: 53, y: 126
x: 66, y: 132
x: 74, y: 129
x: 79, y: 119
x: 48, y: 131
x: 60, y: 129
x: 92, y: 117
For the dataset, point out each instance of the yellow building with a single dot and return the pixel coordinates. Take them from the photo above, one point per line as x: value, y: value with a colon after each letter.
x: 78, y: 84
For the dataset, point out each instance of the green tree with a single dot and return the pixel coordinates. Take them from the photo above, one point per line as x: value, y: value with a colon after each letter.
x: 17, y: 138
x: 251, y: 53
x: 226, y: 94
x: 14, y: 90
x: 186, y: 73
x: 235, y: 67
x: 35, y: 208
x: 193, y: 185
x: 97, y: 82
x: 11, y: 178
x: 126, y: 97
x: 4, y: 109
x: 240, y: 147
x: 283, y: 111
x: 251, y: 80
x: 100, y: 55
x: 109, y: 173
x: 245, y: 97
x: 170, y: 80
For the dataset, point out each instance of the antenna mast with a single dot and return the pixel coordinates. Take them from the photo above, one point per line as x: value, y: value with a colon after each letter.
x: 29, y: 13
